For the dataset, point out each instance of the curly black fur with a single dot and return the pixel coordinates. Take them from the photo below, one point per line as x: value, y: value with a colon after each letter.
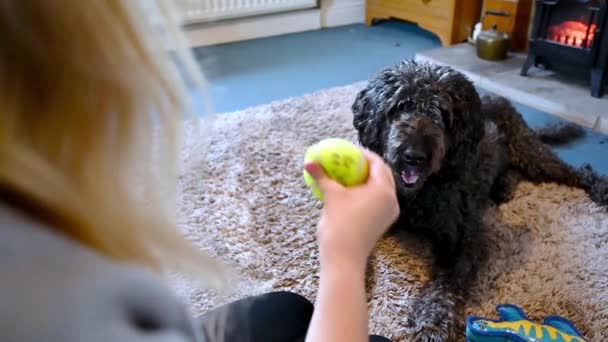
x: 452, y: 155
x: 560, y: 133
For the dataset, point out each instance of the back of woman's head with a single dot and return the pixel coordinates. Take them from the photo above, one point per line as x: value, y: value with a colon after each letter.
x: 90, y: 104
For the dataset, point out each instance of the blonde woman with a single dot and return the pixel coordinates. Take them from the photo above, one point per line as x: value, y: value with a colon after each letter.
x: 90, y: 103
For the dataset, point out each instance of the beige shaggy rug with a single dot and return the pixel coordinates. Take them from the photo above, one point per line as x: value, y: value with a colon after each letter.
x: 243, y: 200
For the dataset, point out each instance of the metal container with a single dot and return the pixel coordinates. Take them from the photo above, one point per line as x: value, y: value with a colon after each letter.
x: 492, y: 45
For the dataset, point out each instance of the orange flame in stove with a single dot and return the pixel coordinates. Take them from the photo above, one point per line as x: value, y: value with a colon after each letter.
x: 573, y: 33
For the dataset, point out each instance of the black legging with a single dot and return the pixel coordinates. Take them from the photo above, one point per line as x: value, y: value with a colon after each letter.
x: 271, y: 317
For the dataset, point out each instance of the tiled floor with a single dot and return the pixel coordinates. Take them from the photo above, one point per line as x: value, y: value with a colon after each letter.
x: 259, y: 71
x: 565, y: 96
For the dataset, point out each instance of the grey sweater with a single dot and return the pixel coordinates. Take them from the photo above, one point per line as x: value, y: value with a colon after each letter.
x: 53, y: 289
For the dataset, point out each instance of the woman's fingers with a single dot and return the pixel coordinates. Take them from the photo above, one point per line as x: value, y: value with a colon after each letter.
x: 378, y: 169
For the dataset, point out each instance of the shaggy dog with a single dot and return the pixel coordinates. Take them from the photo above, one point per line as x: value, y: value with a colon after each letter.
x: 453, y: 155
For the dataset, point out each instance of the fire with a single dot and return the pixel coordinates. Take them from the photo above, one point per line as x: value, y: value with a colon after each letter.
x: 573, y: 33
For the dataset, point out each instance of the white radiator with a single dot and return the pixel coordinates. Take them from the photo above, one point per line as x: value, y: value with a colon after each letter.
x: 199, y: 11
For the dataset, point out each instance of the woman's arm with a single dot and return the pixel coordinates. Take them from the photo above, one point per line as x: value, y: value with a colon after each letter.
x: 352, y: 221
x: 341, y: 307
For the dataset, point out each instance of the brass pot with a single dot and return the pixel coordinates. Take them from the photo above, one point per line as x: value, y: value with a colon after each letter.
x: 492, y: 45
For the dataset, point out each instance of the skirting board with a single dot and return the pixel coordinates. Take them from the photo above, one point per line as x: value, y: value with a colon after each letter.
x: 275, y: 24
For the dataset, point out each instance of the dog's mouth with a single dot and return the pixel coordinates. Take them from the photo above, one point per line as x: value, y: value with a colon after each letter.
x: 409, y: 178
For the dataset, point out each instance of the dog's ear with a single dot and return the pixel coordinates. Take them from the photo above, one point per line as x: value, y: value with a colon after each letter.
x: 369, y: 120
x: 466, y: 119
x: 447, y: 116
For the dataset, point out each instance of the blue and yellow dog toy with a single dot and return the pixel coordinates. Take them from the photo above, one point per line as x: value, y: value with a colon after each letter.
x: 515, y: 326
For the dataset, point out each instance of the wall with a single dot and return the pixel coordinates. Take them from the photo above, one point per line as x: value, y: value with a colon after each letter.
x: 342, y: 12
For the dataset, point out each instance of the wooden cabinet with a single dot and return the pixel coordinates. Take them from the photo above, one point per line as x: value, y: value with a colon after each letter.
x: 451, y: 20
x: 511, y: 17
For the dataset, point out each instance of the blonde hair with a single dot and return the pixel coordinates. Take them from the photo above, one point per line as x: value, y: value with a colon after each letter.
x: 91, y: 101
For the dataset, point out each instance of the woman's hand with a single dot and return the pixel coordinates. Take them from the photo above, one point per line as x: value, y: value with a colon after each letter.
x: 355, y: 218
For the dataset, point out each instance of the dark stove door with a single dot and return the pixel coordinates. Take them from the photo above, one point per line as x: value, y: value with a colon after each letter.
x: 571, y: 36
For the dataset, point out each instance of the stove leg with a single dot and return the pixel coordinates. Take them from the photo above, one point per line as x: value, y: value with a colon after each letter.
x: 530, y: 60
x: 598, y: 81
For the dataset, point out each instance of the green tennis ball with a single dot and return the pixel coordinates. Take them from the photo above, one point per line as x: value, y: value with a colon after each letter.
x: 342, y: 161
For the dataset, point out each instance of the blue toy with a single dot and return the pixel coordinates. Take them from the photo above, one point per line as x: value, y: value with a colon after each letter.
x: 515, y: 326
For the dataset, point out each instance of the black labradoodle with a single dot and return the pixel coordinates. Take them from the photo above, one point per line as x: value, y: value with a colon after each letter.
x: 454, y: 154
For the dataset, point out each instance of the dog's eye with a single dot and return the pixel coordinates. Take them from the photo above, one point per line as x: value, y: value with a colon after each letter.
x: 407, y: 127
x: 406, y: 104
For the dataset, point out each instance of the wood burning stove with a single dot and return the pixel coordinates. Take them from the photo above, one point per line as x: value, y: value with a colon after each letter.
x: 571, y: 36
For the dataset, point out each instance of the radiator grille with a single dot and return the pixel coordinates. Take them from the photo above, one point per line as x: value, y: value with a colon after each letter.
x: 198, y: 11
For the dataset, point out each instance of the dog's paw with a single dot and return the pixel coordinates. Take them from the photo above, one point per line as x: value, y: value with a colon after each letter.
x: 433, y: 319
x: 427, y: 333
x: 599, y: 193
x: 595, y: 184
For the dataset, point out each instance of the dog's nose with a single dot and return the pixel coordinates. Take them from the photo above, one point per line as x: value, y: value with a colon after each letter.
x: 413, y: 157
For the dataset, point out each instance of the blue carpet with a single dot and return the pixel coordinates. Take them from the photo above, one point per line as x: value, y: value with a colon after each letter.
x: 592, y: 149
x: 259, y: 71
